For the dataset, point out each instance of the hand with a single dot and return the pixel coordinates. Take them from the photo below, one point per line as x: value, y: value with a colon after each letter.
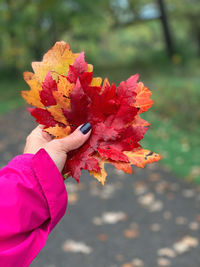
x: 57, y: 148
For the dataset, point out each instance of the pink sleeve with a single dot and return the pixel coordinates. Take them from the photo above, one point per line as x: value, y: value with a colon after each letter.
x: 33, y: 199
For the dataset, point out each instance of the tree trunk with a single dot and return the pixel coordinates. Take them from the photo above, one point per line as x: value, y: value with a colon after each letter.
x: 167, y: 34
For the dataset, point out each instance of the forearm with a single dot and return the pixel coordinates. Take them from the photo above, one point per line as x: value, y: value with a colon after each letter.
x: 33, y: 199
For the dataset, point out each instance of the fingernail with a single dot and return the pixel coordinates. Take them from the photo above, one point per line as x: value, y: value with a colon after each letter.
x: 85, y: 128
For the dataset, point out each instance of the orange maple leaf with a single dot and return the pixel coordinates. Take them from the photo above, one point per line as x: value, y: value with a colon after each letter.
x: 140, y: 157
x: 143, y: 100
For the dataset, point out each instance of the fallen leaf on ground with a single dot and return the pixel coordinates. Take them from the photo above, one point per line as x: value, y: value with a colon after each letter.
x: 181, y: 220
x: 110, y: 218
x: 155, y: 227
x: 162, y: 262
x: 131, y: 234
x: 139, y: 188
x: 166, y: 252
x: 194, y: 226
x: 157, y: 205
x: 76, y: 247
x: 185, y: 244
x: 137, y: 262
x: 146, y: 200
x: 72, y: 198
x: 102, y: 237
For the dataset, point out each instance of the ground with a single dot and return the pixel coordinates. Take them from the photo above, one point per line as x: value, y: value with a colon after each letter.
x: 148, y: 219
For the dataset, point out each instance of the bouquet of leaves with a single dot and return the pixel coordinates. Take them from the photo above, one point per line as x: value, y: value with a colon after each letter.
x: 65, y: 94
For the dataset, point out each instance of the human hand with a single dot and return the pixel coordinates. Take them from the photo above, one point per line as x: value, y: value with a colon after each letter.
x: 56, y: 148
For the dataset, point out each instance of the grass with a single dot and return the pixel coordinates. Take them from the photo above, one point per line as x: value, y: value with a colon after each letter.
x: 174, y: 117
x: 10, y: 97
x: 179, y: 148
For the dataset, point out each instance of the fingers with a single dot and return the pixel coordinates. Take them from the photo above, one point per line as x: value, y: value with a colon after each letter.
x: 41, y: 126
x: 39, y: 132
x: 46, y: 136
x: 76, y: 139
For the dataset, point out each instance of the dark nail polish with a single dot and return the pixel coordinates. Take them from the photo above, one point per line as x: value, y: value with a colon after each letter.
x: 85, y: 128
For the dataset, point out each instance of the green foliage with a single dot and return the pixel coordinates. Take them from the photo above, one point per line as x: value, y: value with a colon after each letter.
x: 180, y: 149
x: 10, y: 98
x: 28, y: 28
x: 100, y: 27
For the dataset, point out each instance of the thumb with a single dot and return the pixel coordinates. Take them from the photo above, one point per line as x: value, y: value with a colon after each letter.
x: 58, y: 148
x: 76, y: 139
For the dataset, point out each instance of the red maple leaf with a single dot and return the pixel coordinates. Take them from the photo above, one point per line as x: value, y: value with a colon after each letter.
x: 69, y: 95
x: 46, y: 94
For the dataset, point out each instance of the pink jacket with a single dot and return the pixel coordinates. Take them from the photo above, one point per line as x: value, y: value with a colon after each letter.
x: 33, y: 199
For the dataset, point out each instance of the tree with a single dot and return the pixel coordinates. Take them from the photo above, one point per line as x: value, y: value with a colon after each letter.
x: 132, y: 12
x: 187, y: 14
x: 28, y: 28
x: 166, y: 30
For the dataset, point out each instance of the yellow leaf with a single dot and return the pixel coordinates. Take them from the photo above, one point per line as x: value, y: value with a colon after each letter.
x: 63, y: 93
x: 61, y: 100
x: 96, y: 81
x: 56, y: 112
x: 100, y: 176
x: 57, y: 59
x: 89, y: 68
x: 32, y: 97
x: 58, y: 131
x: 64, y: 86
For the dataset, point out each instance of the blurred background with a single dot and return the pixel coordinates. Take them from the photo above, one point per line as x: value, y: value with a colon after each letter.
x: 151, y: 218
x: 159, y: 39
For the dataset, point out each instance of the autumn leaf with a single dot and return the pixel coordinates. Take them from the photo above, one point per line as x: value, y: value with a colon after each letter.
x: 57, y: 114
x: 65, y: 94
x: 42, y: 116
x: 46, y: 94
x: 57, y: 60
x: 140, y: 157
x: 125, y: 167
x: 143, y: 101
x: 64, y: 88
x: 32, y: 97
x: 101, y: 175
x: 58, y: 131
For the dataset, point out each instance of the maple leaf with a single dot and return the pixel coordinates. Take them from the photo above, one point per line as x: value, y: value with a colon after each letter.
x: 64, y: 88
x: 143, y: 100
x: 57, y: 59
x: 33, y: 96
x: 57, y: 114
x: 126, y: 90
x: 43, y: 116
x: 101, y: 174
x: 77, y: 68
x: 65, y: 94
x: 123, y: 166
x: 140, y: 157
x: 58, y: 131
x: 46, y: 94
